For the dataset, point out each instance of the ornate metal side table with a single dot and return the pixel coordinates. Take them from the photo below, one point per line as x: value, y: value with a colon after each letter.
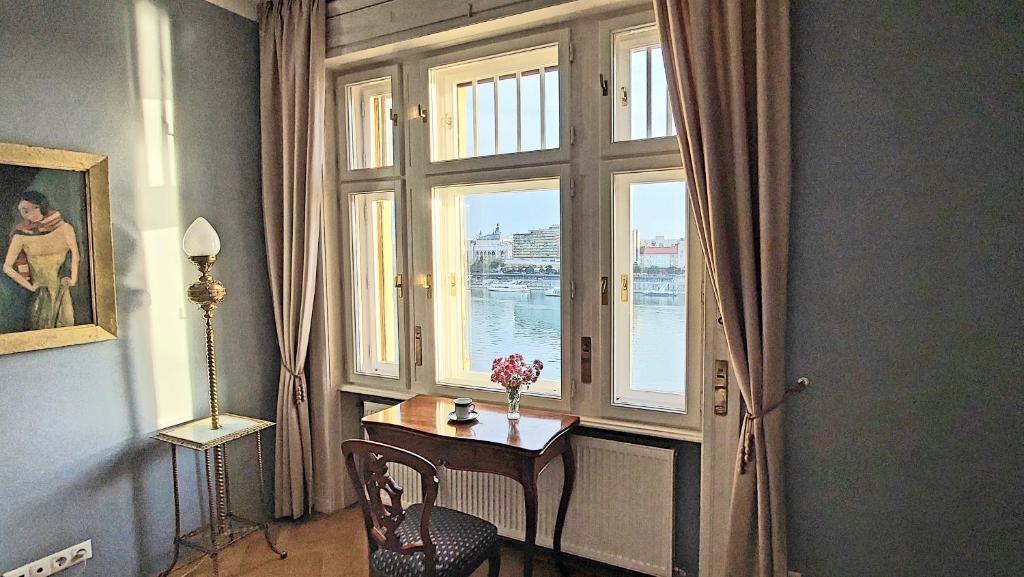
x: 224, y: 527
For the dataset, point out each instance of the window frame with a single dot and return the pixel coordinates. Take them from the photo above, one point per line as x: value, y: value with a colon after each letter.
x: 427, y: 377
x: 345, y: 192
x: 576, y: 162
x: 342, y: 82
x: 696, y: 304
x: 420, y: 79
x: 606, y: 62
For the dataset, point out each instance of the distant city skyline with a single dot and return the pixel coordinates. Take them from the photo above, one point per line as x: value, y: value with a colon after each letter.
x: 659, y: 209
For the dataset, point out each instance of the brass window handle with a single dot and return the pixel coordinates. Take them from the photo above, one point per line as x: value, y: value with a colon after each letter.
x: 624, y: 288
x: 399, y: 285
x: 428, y: 284
x: 720, y: 385
x: 418, y: 345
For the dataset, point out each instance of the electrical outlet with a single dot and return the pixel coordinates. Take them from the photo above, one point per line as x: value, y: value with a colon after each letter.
x: 57, y: 562
x: 71, y: 556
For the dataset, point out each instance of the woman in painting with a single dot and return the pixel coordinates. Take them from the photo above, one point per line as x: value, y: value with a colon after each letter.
x: 39, y: 249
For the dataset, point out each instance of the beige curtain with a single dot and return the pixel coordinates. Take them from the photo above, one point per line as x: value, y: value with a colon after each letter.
x: 292, y: 126
x: 727, y: 63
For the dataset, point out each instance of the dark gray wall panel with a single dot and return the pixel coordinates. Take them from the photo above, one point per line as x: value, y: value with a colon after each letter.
x: 905, y: 458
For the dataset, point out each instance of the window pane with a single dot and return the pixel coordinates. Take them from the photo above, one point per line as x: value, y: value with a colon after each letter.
x: 508, y: 119
x: 498, y: 249
x: 485, y: 116
x: 637, y: 100
x: 649, y: 313
x: 661, y: 118
x: 530, y: 105
x: 370, y: 129
x: 551, y: 124
x: 658, y: 214
x: 638, y: 68
x: 465, y: 95
x: 374, y: 269
x: 465, y: 120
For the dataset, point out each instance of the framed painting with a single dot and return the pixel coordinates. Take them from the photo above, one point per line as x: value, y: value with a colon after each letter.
x: 58, y: 283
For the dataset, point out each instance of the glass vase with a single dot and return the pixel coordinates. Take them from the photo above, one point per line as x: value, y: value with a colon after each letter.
x: 513, y: 404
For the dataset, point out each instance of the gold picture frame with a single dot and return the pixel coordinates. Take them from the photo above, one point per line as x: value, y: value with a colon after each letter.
x: 90, y: 250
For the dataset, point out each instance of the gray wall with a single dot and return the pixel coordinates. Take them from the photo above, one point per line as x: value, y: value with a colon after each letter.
x: 75, y: 460
x: 906, y: 289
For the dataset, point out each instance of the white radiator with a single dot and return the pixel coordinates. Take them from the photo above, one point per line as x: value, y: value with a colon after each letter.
x: 620, y: 513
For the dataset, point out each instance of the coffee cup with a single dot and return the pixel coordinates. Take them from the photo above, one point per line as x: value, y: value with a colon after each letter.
x: 464, y: 407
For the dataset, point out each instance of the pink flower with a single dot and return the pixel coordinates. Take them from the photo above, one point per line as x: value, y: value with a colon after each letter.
x: 513, y: 372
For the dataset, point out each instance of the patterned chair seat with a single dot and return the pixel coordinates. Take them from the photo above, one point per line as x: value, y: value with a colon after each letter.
x: 463, y: 542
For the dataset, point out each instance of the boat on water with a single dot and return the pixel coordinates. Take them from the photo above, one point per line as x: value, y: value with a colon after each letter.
x: 554, y: 291
x: 508, y: 287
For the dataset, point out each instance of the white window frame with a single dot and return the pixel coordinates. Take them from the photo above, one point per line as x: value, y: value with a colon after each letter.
x: 689, y: 416
x: 421, y: 90
x: 622, y: 310
x: 387, y: 379
x: 430, y: 377
x: 444, y: 124
x: 344, y: 120
x: 571, y: 162
x: 610, y: 102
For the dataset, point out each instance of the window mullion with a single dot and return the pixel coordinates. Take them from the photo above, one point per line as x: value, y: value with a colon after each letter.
x: 519, y: 112
x: 649, y: 100
x: 543, y: 126
x: 476, y: 120
x: 497, y: 113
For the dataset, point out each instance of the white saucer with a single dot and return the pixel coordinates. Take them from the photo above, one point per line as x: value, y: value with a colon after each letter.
x: 472, y: 417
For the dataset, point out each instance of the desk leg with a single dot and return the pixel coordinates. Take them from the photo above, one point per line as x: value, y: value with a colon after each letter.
x: 177, y: 512
x: 529, y: 481
x: 568, y: 481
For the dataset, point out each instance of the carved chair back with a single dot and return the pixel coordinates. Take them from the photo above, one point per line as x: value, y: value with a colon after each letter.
x: 367, y: 464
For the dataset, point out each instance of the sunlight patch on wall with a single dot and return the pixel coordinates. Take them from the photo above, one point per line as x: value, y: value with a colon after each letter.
x: 159, y: 221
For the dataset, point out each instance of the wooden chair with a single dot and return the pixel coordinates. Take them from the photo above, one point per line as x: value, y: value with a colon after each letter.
x: 423, y: 540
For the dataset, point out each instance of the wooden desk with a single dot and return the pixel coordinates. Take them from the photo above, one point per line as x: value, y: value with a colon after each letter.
x: 488, y: 445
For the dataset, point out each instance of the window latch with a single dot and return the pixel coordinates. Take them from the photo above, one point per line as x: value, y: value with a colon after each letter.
x: 394, y: 118
x: 604, y: 290
x: 418, y: 345
x: 604, y: 85
x: 624, y: 288
x: 398, y: 285
x: 720, y: 384
x: 428, y: 284
x: 625, y: 96
x: 421, y: 111
x: 451, y: 283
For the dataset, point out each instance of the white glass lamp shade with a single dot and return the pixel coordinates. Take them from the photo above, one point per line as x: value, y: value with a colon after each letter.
x: 200, y: 239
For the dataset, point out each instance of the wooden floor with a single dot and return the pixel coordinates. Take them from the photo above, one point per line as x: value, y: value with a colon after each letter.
x: 333, y: 546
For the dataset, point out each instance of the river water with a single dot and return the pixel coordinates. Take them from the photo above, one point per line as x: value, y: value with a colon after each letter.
x: 502, y: 323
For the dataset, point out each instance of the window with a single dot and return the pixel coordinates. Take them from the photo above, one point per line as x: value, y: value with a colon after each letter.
x: 496, y: 105
x: 370, y: 124
x: 641, y: 104
x: 649, y: 247
x: 508, y: 225
x: 497, y: 263
x: 375, y: 278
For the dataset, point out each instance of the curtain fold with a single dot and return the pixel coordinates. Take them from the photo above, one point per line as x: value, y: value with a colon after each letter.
x: 728, y: 70
x: 292, y: 57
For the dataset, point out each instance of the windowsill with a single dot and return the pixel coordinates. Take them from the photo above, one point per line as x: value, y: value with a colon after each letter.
x: 620, y: 426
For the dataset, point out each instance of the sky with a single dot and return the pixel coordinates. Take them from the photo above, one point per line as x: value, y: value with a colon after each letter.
x: 658, y: 209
